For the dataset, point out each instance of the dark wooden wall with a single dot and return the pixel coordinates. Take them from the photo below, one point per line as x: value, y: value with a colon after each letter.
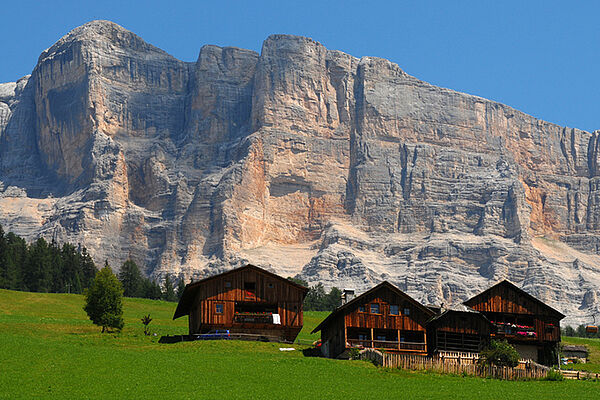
x: 469, y: 323
x: 334, y: 333
x: 284, y: 296
x: 505, y: 300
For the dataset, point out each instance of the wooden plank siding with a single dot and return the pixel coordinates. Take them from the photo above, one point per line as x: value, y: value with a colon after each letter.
x: 455, y: 330
x: 229, y: 290
x: 506, y: 304
x: 384, y: 320
x: 340, y: 329
x: 504, y: 301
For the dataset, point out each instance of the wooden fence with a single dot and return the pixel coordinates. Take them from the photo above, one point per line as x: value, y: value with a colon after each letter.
x: 453, y: 365
x: 579, y: 374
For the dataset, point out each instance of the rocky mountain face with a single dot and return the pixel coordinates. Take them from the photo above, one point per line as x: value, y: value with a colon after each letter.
x: 301, y: 159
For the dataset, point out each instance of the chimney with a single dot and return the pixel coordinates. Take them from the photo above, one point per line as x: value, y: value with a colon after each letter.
x: 347, y: 295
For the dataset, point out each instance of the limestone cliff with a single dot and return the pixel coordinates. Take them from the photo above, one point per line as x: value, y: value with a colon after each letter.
x: 302, y: 159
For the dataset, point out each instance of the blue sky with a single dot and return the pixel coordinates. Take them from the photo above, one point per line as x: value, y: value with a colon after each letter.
x: 541, y: 57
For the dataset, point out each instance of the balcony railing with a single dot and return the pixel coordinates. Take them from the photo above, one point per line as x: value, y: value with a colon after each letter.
x: 384, y: 344
x: 253, y: 318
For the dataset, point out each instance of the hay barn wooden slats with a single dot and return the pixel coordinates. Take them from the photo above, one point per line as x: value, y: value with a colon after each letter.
x: 244, y: 301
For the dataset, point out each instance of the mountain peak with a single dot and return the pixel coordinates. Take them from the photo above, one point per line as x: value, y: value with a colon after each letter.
x: 102, y: 31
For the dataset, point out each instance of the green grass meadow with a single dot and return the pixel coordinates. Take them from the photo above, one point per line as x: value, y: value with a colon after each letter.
x: 593, y: 345
x: 49, y: 349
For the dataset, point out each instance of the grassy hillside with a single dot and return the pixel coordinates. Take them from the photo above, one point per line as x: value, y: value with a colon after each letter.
x: 50, y: 350
x: 593, y: 364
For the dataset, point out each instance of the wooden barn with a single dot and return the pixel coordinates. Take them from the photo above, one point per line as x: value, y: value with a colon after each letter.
x: 524, y: 321
x: 383, y: 317
x: 247, y: 300
x: 458, y: 329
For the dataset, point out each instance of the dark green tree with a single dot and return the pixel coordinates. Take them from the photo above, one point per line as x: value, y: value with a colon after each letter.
x: 146, y: 322
x: 151, y: 290
x: 298, y: 281
x: 132, y: 280
x: 88, y: 269
x: 315, y: 299
x: 334, y: 299
x: 104, y: 300
x: 568, y: 331
x: 15, y: 256
x: 3, y: 271
x: 180, y: 288
x: 169, y: 292
x: 72, y: 272
x: 501, y: 354
x: 581, y: 331
x: 38, y: 268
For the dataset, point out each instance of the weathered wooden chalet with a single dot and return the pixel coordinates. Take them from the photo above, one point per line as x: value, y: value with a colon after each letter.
x: 458, y: 329
x: 247, y: 300
x: 383, y: 317
x: 531, y: 326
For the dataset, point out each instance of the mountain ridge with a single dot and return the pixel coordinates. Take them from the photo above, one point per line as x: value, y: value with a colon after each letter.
x: 301, y: 159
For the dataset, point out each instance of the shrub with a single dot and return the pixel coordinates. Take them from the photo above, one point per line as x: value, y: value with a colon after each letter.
x: 554, y: 375
x: 501, y: 354
x: 146, y: 321
x: 104, y: 300
x: 354, y: 353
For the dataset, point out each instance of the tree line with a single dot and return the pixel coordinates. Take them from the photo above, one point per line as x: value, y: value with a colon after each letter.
x: 42, y: 266
x: 317, y: 299
x: 52, y: 268
x: 579, y: 331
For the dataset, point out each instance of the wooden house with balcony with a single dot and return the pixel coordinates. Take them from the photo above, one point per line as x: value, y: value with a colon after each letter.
x: 530, y: 325
x: 248, y: 301
x: 383, y: 317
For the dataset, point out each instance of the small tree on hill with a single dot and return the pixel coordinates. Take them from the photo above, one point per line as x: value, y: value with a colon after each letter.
x: 146, y: 321
x: 501, y: 354
x: 104, y: 300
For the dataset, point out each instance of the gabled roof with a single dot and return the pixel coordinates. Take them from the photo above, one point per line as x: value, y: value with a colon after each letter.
x: 384, y: 284
x: 514, y: 287
x: 189, y: 293
x: 458, y: 309
x: 573, y: 347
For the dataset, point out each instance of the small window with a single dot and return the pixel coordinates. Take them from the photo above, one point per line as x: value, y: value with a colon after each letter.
x: 361, y: 308
x: 270, y: 285
x: 406, y: 311
x: 374, y: 308
x: 227, y: 284
x: 381, y: 338
x: 394, y: 309
x: 219, y: 308
x: 362, y: 336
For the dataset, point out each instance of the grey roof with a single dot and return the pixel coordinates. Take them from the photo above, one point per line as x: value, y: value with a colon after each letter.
x: 573, y: 347
x: 456, y: 308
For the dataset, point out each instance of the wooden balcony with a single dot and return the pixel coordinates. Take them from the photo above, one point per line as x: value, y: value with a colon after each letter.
x: 253, y: 318
x: 388, y: 345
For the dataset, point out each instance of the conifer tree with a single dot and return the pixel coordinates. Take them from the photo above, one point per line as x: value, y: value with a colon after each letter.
x: 104, y: 302
x: 132, y: 280
x: 180, y: 288
x: 38, y: 267
x: 152, y: 290
x: 169, y: 293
